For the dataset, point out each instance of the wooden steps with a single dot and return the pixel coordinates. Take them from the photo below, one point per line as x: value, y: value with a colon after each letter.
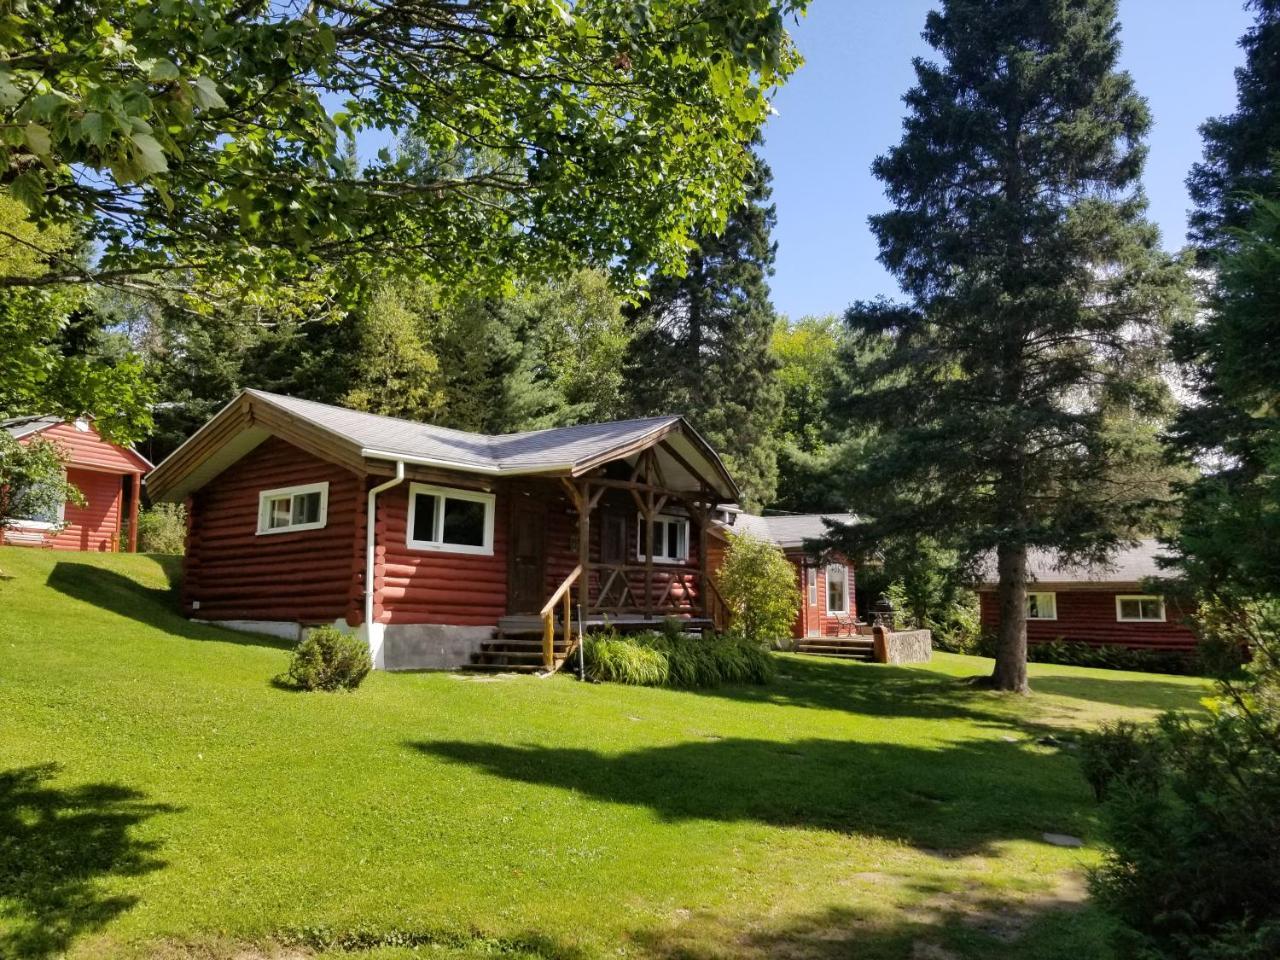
x: 517, y: 643
x: 839, y: 648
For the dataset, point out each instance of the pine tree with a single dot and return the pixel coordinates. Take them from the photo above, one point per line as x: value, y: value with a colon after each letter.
x: 1241, y: 149
x: 1017, y: 402
x: 701, y: 344
x: 1230, y: 535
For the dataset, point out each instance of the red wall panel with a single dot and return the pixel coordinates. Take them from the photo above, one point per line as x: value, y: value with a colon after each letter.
x: 1089, y: 616
x: 235, y: 574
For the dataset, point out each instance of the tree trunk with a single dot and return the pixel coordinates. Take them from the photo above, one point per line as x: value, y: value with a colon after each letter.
x: 1011, y: 646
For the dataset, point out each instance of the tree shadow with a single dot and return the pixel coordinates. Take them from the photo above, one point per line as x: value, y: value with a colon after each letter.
x: 953, y: 800
x: 871, y: 690
x: 154, y: 606
x: 1122, y: 692
x: 56, y: 847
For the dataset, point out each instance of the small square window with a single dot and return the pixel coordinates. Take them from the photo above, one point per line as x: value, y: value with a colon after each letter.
x: 1140, y: 609
x: 1042, y: 606
x: 449, y: 520
x: 292, y: 509
x: 670, y: 539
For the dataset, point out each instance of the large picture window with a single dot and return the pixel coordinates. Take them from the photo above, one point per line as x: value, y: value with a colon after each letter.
x: 291, y: 509
x: 837, y: 588
x: 670, y: 539
x: 1042, y: 606
x: 1140, y: 609
x: 450, y: 520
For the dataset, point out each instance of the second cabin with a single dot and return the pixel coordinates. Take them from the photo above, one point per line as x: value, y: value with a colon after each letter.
x: 480, y: 548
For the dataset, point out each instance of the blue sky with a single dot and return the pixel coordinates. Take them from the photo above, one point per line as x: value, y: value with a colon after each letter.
x: 844, y: 108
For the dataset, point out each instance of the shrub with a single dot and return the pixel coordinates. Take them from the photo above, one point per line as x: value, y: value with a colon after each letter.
x: 1192, y: 812
x: 759, y: 586
x: 673, y: 658
x: 163, y: 529
x: 328, y: 659
x: 1073, y: 653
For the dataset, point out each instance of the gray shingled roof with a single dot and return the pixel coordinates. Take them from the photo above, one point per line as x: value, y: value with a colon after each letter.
x: 532, y: 450
x: 788, y: 530
x: 19, y: 427
x: 1130, y: 565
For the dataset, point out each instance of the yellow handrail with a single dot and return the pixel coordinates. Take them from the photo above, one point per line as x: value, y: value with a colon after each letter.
x: 548, y: 615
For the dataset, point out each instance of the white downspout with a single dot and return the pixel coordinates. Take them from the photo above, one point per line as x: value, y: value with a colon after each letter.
x: 373, y: 632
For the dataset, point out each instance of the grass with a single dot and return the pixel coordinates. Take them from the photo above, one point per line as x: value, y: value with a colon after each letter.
x: 159, y: 797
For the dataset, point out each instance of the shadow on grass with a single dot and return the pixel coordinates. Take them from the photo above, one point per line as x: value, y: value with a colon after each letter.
x: 1152, y: 694
x: 955, y: 799
x: 153, y: 606
x: 56, y: 846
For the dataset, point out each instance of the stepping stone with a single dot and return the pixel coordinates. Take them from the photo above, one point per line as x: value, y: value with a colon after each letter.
x: 1063, y: 840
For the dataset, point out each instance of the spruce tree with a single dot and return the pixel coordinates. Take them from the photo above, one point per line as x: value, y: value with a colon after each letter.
x: 1240, y: 151
x: 701, y: 344
x: 1016, y: 402
x: 1230, y: 535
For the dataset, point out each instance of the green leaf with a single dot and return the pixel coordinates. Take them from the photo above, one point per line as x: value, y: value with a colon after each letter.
x: 28, y: 189
x: 38, y: 139
x: 206, y: 94
x: 148, y: 155
x: 91, y: 128
x: 9, y: 93
x: 163, y: 71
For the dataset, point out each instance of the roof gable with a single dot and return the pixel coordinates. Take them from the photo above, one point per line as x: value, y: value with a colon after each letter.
x: 367, y: 442
x: 82, y: 444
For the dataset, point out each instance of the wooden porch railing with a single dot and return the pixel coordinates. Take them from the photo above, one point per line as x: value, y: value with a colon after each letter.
x: 548, y: 614
x: 715, y: 608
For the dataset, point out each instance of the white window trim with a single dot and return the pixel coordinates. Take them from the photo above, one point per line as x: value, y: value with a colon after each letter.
x: 661, y: 517
x: 844, y: 575
x: 812, y: 582
x: 453, y: 493
x: 1120, y: 618
x: 1043, y: 593
x: 266, y: 496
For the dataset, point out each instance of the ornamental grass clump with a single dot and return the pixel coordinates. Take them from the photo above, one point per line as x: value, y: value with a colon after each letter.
x: 672, y: 658
x: 328, y: 659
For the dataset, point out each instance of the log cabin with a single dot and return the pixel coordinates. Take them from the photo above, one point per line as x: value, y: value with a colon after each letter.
x: 443, y: 548
x: 1100, y: 606
x: 107, y: 475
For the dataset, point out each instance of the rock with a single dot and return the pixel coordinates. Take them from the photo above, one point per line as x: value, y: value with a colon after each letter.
x: 1063, y: 840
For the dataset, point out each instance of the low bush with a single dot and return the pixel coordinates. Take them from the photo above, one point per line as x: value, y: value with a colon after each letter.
x: 672, y: 658
x: 163, y: 529
x: 328, y: 659
x: 1112, y: 657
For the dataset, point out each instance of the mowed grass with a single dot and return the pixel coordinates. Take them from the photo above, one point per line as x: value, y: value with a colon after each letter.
x: 160, y: 797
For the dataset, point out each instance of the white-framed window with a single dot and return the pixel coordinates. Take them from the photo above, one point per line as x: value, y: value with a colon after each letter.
x: 670, y: 539
x: 450, y: 520
x: 837, y: 588
x: 1042, y: 606
x: 23, y: 509
x: 292, y: 509
x: 1140, y: 608
x: 813, y: 586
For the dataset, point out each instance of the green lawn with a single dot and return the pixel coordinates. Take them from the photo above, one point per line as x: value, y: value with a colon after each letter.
x: 160, y: 797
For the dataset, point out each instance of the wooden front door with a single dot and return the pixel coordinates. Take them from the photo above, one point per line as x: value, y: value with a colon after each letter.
x: 527, y: 566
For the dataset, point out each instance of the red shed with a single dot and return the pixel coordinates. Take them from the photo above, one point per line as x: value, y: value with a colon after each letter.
x: 107, y: 476
x: 481, y: 548
x: 826, y: 583
x: 1098, y: 605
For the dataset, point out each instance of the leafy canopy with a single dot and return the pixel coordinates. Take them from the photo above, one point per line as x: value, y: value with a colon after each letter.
x: 209, y: 136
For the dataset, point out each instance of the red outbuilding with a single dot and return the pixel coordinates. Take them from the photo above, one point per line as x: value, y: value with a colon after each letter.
x: 1098, y: 605
x: 482, y: 550
x: 107, y: 475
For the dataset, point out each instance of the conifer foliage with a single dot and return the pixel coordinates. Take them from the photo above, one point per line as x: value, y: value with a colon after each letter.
x: 702, y: 344
x: 1018, y: 396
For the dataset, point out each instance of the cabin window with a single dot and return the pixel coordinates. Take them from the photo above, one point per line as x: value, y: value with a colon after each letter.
x: 449, y: 520
x: 1140, y: 609
x: 670, y: 539
x: 37, y: 506
x: 291, y: 509
x: 1042, y: 606
x: 837, y: 588
x: 813, y: 586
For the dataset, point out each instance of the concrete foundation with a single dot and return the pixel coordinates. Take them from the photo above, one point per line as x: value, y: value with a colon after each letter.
x: 283, y: 629
x: 430, y: 646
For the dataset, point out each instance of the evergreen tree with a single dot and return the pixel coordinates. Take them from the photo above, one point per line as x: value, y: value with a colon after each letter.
x: 1016, y: 405
x: 1240, y: 153
x: 1229, y: 539
x: 701, y: 345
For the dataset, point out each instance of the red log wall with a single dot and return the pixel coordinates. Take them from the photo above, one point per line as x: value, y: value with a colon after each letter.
x: 1089, y: 616
x: 428, y: 586
x: 235, y: 574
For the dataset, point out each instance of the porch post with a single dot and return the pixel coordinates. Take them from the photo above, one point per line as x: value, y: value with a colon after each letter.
x: 704, y: 517
x: 648, y: 556
x: 136, y: 496
x: 584, y: 544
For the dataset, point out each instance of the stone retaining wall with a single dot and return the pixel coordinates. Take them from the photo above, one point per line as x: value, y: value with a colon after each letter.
x: 903, y: 646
